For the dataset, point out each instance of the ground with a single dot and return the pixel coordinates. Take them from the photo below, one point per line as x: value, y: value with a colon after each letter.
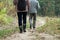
x: 33, y: 35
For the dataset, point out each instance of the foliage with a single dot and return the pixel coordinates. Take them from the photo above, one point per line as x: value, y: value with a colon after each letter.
x: 5, y: 6
x: 1, y: 5
x: 7, y: 32
x: 49, y: 7
x: 4, y: 18
x: 51, y: 27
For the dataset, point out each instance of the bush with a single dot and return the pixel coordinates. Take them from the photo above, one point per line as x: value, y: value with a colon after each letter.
x: 51, y: 27
x: 4, y: 18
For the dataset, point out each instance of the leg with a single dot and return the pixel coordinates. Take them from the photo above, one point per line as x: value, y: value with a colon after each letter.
x: 30, y: 20
x: 19, y: 14
x: 24, y: 21
x: 34, y: 20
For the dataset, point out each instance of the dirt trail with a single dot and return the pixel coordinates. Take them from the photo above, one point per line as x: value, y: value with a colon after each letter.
x: 32, y: 36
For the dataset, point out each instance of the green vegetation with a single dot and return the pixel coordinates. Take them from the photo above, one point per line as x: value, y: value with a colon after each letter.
x: 49, y: 7
x: 51, y: 27
x: 4, y: 18
x: 7, y: 32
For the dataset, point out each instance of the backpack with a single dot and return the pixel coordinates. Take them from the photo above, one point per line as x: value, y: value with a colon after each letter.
x: 21, y: 6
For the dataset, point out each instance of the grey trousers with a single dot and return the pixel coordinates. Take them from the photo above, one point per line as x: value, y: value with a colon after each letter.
x: 32, y: 20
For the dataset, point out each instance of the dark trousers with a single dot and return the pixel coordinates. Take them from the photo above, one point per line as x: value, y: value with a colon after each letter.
x: 22, y: 20
x: 32, y: 19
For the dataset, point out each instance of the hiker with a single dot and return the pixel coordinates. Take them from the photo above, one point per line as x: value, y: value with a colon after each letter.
x: 22, y: 7
x: 34, y: 6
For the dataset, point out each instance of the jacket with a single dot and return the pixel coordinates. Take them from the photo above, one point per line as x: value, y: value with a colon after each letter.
x: 34, y: 6
x: 15, y: 2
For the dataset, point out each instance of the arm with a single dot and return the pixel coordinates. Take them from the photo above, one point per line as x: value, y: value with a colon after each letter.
x: 28, y: 4
x: 38, y: 6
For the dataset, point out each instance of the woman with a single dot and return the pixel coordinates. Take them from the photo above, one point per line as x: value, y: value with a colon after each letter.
x: 21, y: 15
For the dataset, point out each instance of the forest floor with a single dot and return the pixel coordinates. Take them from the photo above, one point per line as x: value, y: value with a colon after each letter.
x: 33, y: 35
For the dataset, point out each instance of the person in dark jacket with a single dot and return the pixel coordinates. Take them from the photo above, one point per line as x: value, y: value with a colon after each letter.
x: 22, y: 16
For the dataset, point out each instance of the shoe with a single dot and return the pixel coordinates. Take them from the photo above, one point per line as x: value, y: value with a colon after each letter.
x: 24, y: 27
x: 20, y: 29
x: 24, y: 30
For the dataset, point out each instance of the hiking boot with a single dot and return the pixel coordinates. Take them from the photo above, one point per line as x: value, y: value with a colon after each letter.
x: 20, y: 27
x: 24, y: 30
x: 24, y: 27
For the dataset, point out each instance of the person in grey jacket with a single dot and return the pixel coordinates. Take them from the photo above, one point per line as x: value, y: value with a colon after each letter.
x: 34, y: 6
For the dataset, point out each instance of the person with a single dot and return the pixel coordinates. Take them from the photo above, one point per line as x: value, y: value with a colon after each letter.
x: 34, y: 6
x: 22, y: 9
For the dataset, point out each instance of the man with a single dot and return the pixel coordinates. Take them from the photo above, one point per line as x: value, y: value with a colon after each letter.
x: 34, y: 6
x: 22, y: 9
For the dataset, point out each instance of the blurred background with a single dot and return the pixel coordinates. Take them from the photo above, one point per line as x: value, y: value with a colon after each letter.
x: 49, y: 9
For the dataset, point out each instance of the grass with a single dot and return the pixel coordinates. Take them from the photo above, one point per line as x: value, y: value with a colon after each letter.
x: 52, y: 26
x: 4, y: 18
x: 7, y: 32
